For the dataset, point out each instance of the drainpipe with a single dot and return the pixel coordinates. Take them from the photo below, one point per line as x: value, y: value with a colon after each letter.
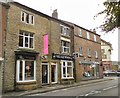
x: 7, y: 6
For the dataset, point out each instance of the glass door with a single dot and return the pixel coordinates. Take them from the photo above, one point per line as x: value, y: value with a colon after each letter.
x: 45, y: 73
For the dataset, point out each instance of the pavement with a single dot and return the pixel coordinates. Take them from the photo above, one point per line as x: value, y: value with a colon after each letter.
x: 49, y: 88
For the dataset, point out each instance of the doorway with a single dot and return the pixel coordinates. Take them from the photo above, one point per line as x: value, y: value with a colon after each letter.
x: 53, y: 72
x: 45, y: 73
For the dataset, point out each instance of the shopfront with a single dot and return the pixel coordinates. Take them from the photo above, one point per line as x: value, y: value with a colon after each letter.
x: 90, y: 69
x: 25, y: 70
x: 66, y: 68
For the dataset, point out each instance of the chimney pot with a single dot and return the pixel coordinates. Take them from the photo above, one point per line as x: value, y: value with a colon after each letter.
x: 55, y: 14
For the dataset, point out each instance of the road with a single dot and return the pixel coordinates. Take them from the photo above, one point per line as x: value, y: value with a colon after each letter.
x: 105, y: 88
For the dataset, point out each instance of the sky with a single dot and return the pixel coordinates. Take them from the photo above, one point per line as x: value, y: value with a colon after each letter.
x: 80, y: 12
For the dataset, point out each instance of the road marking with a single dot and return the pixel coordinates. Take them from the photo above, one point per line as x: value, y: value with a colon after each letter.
x: 109, y: 88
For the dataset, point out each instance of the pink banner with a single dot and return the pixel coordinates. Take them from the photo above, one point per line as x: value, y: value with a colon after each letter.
x: 45, y: 44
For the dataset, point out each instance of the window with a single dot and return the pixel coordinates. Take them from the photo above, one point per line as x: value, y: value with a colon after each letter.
x: 81, y: 51
x: 65, y: 46
x: 80, y: 32
x: 27, y: 18
x: 67, y: 69
x: 95, y: 38
x: 26, y: 70
x: 104, y: 56
x: 88, y: 35
x: 96, y: 54
x: 65, y: 31
x: 89, y: 52
x: 26, y: 39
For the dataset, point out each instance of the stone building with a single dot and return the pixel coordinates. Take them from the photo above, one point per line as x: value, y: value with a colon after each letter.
x: 106, y: 49
x: 41, y: 50
x: 37, y: 49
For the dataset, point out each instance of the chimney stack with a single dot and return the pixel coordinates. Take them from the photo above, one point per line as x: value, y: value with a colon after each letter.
x: 55, y: 14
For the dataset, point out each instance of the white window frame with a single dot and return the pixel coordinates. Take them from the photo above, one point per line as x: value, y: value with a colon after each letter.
x: 30, y: 18
x: 65, y: 30
x: 88, y: 35
x: 80, y: 32
x: 24, y: 36
x: 95, y: 39
x: 89, y: 52
x: 80, y: 50
x: 66, y: 69
x: 65, y: 47
x: 96, y: 54
x: 23, y: 71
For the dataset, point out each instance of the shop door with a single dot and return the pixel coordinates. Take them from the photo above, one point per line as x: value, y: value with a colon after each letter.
x: 45, y: 73
x: 54, y: 73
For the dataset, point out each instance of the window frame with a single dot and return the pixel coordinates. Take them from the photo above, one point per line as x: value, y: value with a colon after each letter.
x: 95, y: 38
x: 23, y: 71
x: 88, y: 35
x: 96, y: 54
x: 89, y: 52
x: 31, y: 20
x: 80, y: 32
x: 29, y: 37
x: 81, y: 50
x: 66, y: 69
x: 65, y: 47
x: 65, y: 31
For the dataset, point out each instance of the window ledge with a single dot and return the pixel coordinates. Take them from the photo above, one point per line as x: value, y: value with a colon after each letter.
x: 26, y: 82
x: 81, y: 55
x: 68, y: 78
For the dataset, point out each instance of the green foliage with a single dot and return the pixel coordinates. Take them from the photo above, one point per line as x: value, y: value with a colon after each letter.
x: 112, y: 16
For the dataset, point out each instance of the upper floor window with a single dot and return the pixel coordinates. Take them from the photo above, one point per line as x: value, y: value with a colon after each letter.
x: 80, y: 32
x: 26, y: 39
x: 81, y: 51
x: 88, y: 35
x: 65, y: 31
x: 95, y: 38
x: 96, y: 54
x: 27, y: 18
x: 88, y: 52
x: 65, y: 46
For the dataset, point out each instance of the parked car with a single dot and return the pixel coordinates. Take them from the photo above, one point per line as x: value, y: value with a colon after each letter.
x: 110, y: 73
x: 118, y: 73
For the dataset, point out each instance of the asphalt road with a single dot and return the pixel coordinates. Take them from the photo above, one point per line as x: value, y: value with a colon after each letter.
x: 106, y: 88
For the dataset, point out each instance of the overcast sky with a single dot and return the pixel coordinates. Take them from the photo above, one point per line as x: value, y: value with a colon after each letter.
x: 80, y: 12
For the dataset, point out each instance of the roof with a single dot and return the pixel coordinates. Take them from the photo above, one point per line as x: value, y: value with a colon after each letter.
x: 49, y: 17
x: 81, y: 27
x: 108, y: 43
x: 36, y: 12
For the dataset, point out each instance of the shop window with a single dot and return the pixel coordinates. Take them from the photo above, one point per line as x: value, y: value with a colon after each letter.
x: 26, y: 39
x: 67, y: 69
x: 26, y: 70
x: 65, y: 46
x: 27, y: 18
x: 65, y: 31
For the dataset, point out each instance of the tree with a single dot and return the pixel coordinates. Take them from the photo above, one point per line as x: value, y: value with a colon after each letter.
x: 112, y: 16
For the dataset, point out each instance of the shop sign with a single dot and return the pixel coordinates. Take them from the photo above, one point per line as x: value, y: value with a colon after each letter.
x: 61, y: 57
x: 88, y: 62
x: 22, y: 57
